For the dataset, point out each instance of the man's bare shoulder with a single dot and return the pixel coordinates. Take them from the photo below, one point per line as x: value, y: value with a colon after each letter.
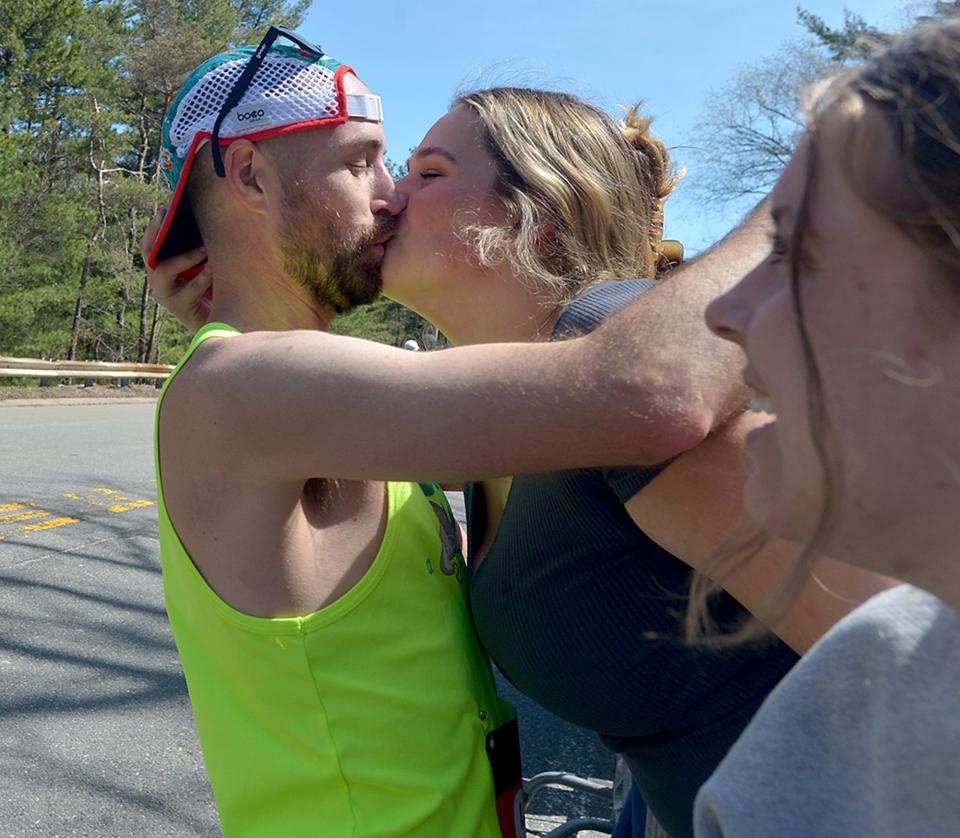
x: 189, y: 393
x: 222, y: 369
x: 218, y: 357
x: 193, y: 421
x: 250, y: 402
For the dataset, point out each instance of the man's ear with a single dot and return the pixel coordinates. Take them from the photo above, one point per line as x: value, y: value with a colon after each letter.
x: 251, y: 176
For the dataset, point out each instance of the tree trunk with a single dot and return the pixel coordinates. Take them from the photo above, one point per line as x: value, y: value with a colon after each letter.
x: 121, y: 318
x: 91, y: 244
x: 78, y: 308
x: 154, y: 345
x: 143, y: 344
x: 144, y: 141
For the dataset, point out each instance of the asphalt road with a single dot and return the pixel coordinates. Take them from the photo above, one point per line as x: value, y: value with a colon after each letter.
x: 97, y: 737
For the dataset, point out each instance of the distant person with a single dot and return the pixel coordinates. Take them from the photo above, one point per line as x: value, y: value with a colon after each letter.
x: 850, y: 332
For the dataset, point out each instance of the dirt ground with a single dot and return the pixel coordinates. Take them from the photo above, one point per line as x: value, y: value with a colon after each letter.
x: 78, y: 391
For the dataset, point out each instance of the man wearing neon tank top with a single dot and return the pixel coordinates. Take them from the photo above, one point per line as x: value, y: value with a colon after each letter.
x: 319, y: 612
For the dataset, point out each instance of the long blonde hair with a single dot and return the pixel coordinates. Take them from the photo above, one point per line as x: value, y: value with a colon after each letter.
x: 582, y: 194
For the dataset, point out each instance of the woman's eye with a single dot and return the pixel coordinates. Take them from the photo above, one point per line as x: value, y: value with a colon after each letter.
x: 430, y: 173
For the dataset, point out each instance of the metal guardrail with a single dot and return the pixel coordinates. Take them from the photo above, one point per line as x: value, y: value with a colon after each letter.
x: 38, y: 368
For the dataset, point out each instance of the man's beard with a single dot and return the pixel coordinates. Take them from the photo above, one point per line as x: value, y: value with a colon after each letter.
x: 333, y: 264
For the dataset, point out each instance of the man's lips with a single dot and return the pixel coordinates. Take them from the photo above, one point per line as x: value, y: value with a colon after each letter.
x: 378, y: 246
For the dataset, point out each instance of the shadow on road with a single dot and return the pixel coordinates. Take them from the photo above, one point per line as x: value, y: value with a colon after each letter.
x: 98, y: 736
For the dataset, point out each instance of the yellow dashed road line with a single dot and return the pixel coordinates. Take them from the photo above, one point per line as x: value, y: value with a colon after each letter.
x: 126, y: 507
x: 17, y: 512
x: 10, y: 507
x: 100, y: 497
x: 82, y: 498
x: 15, y: 517
x: 40, y: 526
x: 53, y: 523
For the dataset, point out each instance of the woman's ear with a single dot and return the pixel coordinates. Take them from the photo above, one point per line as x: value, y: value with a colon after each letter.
x: 544, y: 235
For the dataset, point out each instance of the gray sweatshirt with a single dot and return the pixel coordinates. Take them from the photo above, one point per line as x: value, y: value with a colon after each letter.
x: 862, y: 738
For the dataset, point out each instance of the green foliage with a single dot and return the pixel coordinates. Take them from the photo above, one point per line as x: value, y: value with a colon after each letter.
x: 39, y: 59
x: 385, y: 322
x: 941, y: 9
x: 397, y: 170
x: 854, y: 41
x: 35, y: 323
x: 254, y: 18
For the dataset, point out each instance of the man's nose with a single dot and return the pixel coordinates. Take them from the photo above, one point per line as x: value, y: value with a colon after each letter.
x: 392, y: 203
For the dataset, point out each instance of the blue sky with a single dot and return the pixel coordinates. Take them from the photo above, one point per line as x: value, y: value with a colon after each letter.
x: 666, y: 52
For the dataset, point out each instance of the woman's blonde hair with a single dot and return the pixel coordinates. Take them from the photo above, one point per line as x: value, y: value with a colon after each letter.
x: 582, y: 194
x: 911, y: 92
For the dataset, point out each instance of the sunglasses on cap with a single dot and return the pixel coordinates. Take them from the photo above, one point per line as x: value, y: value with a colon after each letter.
x: 243, y: 82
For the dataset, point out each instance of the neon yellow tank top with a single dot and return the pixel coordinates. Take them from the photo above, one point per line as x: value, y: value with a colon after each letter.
x: 367, y: 717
